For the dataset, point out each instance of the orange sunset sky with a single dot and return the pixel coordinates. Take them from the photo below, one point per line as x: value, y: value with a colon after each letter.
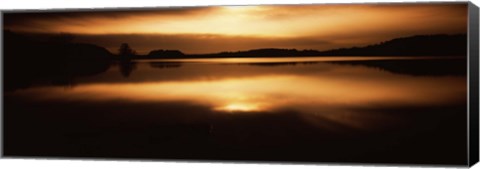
x: 232, y: 28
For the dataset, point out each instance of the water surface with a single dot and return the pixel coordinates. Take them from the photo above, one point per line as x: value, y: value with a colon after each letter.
x: 352, y: 109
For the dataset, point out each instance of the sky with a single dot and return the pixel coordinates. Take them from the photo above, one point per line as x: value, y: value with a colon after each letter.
x: 233, y: 28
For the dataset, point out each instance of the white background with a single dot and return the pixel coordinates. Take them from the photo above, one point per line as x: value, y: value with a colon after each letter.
x: 83, y: 164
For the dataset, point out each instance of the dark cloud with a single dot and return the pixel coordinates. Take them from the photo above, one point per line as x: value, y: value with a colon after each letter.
x: 15, y: 19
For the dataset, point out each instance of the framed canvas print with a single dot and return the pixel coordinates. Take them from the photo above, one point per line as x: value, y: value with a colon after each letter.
x: 374, y: 83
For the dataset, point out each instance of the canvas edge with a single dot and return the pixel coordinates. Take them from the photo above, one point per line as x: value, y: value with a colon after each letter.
x: 473, y: 83
x: 2, y: 123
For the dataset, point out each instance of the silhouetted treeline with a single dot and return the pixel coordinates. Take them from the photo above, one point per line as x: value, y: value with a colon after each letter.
x: 56, y: 60
x: 269, y: 52
x: 157, y: 54
x: 421, y: 45
x: 165, y: 54
x: 61, y: 46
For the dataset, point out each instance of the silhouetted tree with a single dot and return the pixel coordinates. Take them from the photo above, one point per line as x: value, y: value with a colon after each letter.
x: 126, y: 65
x: 125, y: 50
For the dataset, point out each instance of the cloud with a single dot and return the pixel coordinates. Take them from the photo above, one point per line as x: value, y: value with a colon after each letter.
x: 273, y: 20
x: 224, y: 28
x: 42, y: 21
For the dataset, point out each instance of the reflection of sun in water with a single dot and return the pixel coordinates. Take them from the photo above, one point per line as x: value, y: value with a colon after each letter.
x: 238, y: 107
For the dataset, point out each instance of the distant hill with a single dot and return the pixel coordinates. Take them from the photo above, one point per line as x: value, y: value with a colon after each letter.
x: 56, y: 60
x: 268, y: 52
x: 420, y: 45
x: 24, y: 47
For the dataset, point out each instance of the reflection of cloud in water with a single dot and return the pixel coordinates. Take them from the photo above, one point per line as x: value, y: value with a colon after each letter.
x: 327, y: 96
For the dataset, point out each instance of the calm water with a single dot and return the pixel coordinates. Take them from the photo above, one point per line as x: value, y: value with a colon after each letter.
x: 352, y: 109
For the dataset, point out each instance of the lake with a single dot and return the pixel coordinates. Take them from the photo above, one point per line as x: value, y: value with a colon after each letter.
x: 310, y: 109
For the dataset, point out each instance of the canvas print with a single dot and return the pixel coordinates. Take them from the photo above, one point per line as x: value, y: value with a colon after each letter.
x: 329, y: 83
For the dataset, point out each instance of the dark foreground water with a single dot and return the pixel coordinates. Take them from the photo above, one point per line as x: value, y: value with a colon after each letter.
x: 359, y: 110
